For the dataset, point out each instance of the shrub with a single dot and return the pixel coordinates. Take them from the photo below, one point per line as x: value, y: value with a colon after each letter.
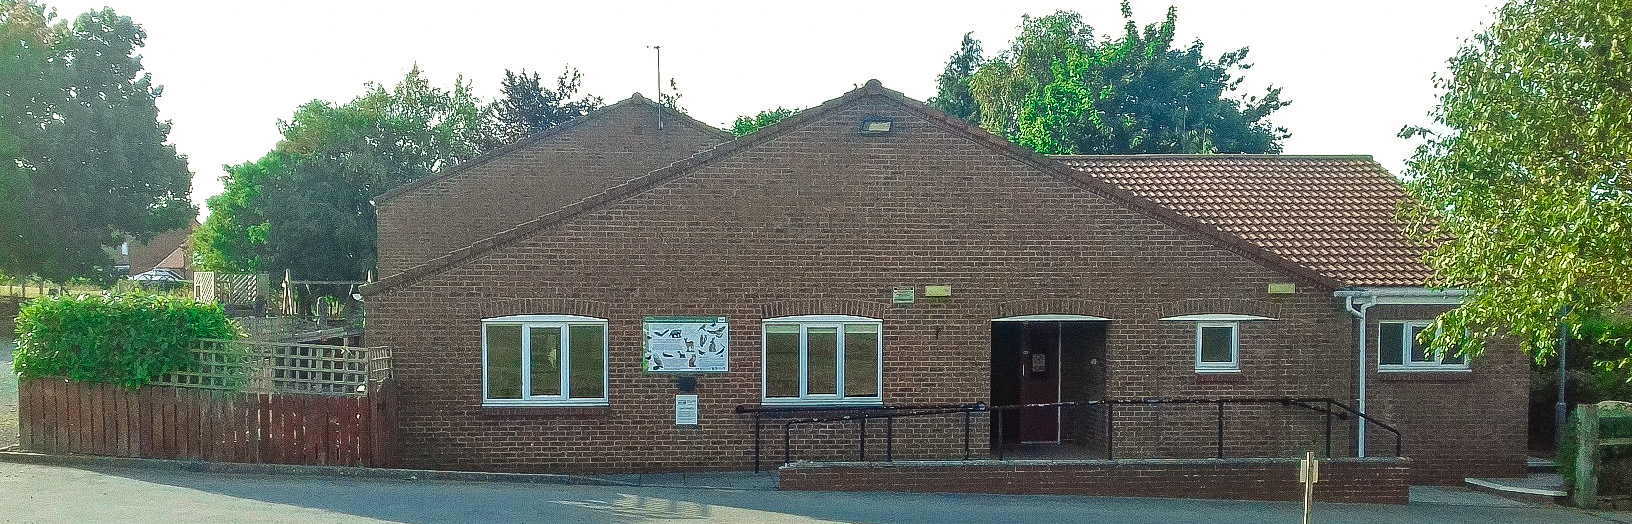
x: 127, y: 339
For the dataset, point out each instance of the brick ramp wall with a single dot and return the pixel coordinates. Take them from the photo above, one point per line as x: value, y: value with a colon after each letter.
x: 1369, y: 480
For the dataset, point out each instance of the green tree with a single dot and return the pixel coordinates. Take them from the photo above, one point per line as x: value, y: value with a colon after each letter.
x: 1058, y: 90
x: 83, y: 158
x: 952, y: 92
x: 671, y: 101
x: 748, y: 124
x: 305, y: 206
x: 526, y: 107
x: 1526, y: 193
x: 233, y: 238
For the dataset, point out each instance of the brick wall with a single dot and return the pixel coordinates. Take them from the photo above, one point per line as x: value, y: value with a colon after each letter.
x: 1369, y: 480
x: 1456, y: 424
x: 832, y: 221
x: 531, y: 178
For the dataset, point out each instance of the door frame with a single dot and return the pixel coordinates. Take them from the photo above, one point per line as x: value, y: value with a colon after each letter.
x: 1059, y: 352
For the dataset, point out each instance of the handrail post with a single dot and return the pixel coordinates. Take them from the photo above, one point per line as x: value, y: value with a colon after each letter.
x: 966, y: 415
x: 787, y: 453
x: 1328, y: 428
x: 1110, y: 430
x: 1220, y: 428
x: 757, y: 443
x: 1000, y: 434
x: 889, y: 438
x: 863, y: 439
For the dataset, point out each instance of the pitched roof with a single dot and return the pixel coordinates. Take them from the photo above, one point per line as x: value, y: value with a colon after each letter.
x: 166, y: 249
x: 872, y: 88
x: 669, y: 115
x: 1332, y: 214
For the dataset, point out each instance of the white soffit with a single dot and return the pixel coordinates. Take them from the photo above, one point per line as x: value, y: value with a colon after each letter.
x: 1405, y: 296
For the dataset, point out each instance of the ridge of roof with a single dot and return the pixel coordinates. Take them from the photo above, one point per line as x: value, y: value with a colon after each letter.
x: 1211, y: 156
x: 872, y: 88
x: 563, y: 127
x: 629, y: 188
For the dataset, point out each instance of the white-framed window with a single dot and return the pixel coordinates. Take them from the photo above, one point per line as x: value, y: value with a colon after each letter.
x: 1398, y: 349
x: 544, y: 360
x: 822, y: 359
x: 1218, y: 340
x: 1218, y: 346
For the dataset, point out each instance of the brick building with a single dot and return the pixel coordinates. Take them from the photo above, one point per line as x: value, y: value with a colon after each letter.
x: 873, y: 251
x: 429, y: 217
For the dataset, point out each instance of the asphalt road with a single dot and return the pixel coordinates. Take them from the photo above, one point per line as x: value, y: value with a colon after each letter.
x: 34, y: 493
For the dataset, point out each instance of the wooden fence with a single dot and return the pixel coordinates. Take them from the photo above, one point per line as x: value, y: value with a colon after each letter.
x: 282, y: 367
x: 58, y: 416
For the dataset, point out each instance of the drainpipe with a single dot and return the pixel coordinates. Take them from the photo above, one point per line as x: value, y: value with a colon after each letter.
x: 1360, y: 374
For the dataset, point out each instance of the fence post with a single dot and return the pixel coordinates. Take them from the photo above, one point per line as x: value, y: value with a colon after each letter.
x: 288, y: 293
x: 1586, y: 457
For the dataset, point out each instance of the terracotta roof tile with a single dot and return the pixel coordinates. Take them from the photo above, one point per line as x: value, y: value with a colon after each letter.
x: 1332, y: 214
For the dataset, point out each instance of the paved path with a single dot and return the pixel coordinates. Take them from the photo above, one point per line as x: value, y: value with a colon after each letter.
x: 36, y: 493
x: 8, y: 395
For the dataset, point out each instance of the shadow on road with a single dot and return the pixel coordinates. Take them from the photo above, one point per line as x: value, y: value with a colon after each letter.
x: 435, y: 502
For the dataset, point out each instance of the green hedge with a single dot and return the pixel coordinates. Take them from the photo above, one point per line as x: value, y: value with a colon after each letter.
x: 126, y: 339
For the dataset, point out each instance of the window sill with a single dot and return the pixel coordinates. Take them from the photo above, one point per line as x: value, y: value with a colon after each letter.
x: 546, y: 411
x: 828, y: 403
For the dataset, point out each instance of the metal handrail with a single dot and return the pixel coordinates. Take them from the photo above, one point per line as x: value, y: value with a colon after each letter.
x: 1329, y: 407
x: 889, y: 442
x: 761, y: 411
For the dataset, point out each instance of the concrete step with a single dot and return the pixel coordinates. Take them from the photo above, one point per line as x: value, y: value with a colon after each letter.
x: 1541, y: 465
x: 1545, y: 488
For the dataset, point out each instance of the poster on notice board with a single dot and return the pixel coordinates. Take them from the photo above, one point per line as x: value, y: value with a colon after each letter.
x: 687, y: 344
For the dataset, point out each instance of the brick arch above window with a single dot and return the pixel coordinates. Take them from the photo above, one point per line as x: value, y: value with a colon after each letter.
x: 823, y: 306
x: 1228, y: 306
x: 1054, y: 306
x: 553, y: 306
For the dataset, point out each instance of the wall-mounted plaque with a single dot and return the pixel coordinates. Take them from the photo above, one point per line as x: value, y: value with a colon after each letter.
x: 694, y: 344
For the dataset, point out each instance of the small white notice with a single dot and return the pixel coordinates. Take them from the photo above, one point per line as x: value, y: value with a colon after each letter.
x: 685, y: 410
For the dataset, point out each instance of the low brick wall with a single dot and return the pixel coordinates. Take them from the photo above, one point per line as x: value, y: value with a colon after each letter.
x: 1371, y: 480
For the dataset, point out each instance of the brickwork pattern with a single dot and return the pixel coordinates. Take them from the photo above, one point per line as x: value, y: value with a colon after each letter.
x: 823, y: 220
x: 1456, y: 424
x: 1375, y: 481
x: 532, y: 178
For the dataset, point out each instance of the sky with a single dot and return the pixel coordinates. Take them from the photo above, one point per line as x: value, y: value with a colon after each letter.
x: 1356, y: 72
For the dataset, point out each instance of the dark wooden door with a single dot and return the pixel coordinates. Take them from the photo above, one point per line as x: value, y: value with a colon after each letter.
x: 1040, y: 381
